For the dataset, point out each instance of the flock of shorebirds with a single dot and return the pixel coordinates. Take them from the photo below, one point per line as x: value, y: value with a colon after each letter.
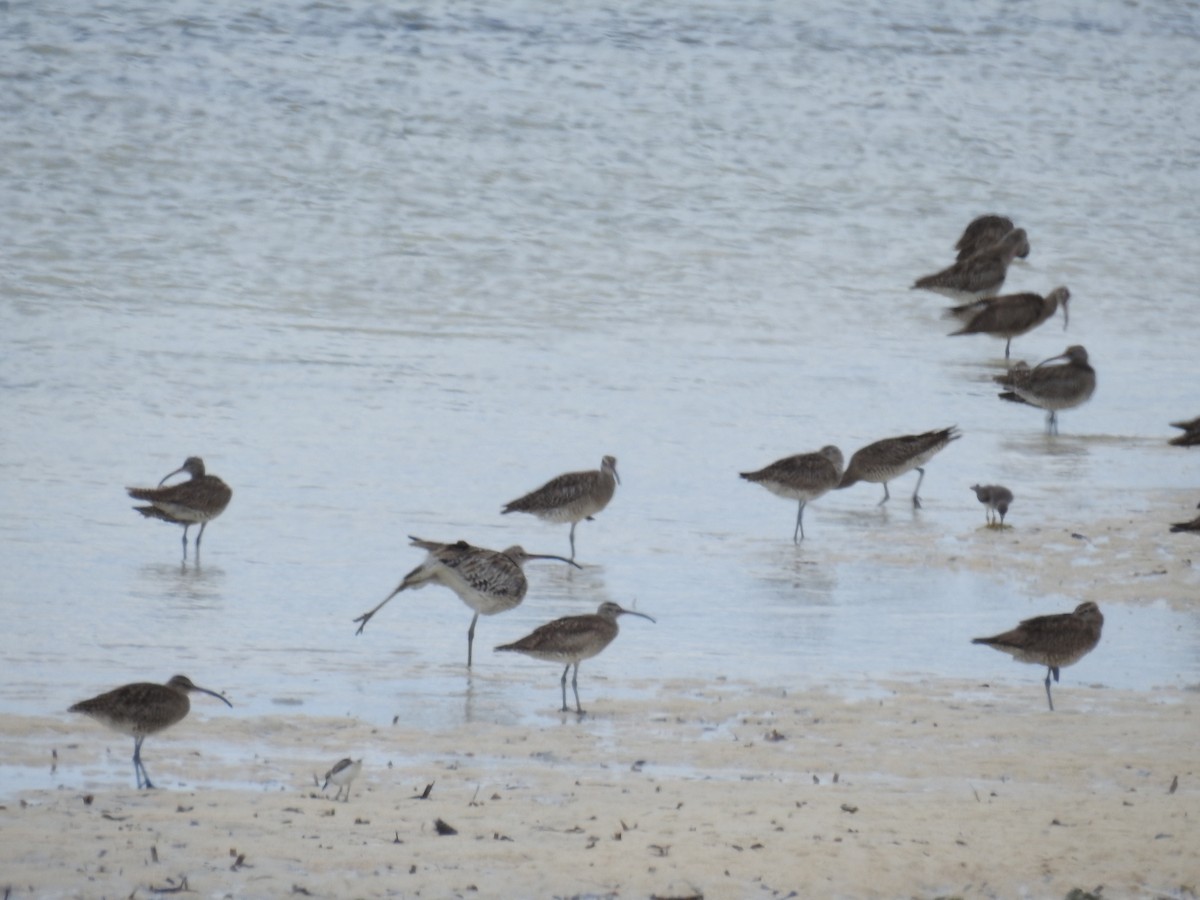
x: 493, y: 581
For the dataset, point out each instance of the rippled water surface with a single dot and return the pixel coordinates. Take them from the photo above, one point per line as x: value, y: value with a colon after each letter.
x: 387, y: 269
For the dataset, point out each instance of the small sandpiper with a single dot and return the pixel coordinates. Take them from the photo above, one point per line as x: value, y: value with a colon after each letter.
x: 344, y: 772
x: 995, y: 499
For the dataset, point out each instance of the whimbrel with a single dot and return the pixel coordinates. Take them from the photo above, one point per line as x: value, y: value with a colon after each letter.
x: 141, y: 709
x: 344, y: 771
x: 980, y: 275
x: 890, y: 458
x: 984, y: 232
x: 1011, y: 315
x: 1053, y: 641
x: 1193, y: 526
x: 571, y: 640
x: 572, y: 497
x: 1051, y: 388
x: 199, y: 500
x: 488, y: 581
x: 1190, y: 436
x: 995, y: 499
x: 803, y: 477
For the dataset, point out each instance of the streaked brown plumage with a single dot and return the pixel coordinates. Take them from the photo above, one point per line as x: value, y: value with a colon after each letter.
x: 980, y: 275
x: 488, y: 581
x: 890, y: 458
x: 995, y: 499
x: 1011, y: 315
x: 1062, y: 386
x: 571, y: 640
x: 572, y: 497
x: 142, y: 709
x: 1053, y: 641
x: 1190, y: 436
x: 803, y: 477
x: 984, y: 232
x: 198, y: 500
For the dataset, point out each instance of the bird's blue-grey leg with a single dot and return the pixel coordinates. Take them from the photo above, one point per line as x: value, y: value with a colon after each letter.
x: 917, y: 489
x: 575, y: 688
x: 1053, y: 670
x: 886, y: 496
x: 1006, y: 346
x: 573, y: 524
x: 564, y: 687
x: 138, y: 766
x: 203, y: 525
x: 185, y: 528
x: 799, y: 523
x: 137, y: 761
x: 471, y: 637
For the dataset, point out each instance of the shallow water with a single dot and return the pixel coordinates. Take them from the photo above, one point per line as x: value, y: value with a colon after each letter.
x: 387, y: 270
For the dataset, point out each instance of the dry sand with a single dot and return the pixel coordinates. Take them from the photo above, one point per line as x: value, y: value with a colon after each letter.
x: 724, y: 789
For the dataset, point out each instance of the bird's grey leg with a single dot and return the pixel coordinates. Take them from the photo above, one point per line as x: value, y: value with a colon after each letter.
x: 185, y: 528
x: 203, y: 525
x: 138, y: 767
x: 564, y: 687
x: 573, y: 524
x: 1007, y: 344
x: 1052, y: 670
x: 471, y: 638
x: 799, y: 523
x: 575, y: 687
x: 917, y: 489
x: 886, y: 495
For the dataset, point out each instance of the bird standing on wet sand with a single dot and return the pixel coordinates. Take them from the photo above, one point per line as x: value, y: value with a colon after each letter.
x: 141, y: 709
x: 984, y: 232
x: 571, y: 640
x: 1011, y: 315
x: 344, y: 772
x: 572, y: 497
x: 980, y: 275
x: 1051, y: 388
x: 488, y: 581
x: 995, y: 499
x: 803, y: 477
x: 199, y: 500
x: 890, y: 458
x: 1053, y: 641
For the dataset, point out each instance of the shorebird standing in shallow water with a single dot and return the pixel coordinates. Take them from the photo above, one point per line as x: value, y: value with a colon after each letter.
x: 1011, y: 315
x: 890, y: 458
x: 1190, y: 436
x: 344, y: 771
x: 141, y: 709
x: 488, y: 581
x: 1053, y: 641
x: 980, y: 275
x: 804, y: 477
x: 984, y: 232
x: 572, y: 497
x: 571, y: 640
x: 199, y: 500
x: 995, y: 499
x: 1051, y: 388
